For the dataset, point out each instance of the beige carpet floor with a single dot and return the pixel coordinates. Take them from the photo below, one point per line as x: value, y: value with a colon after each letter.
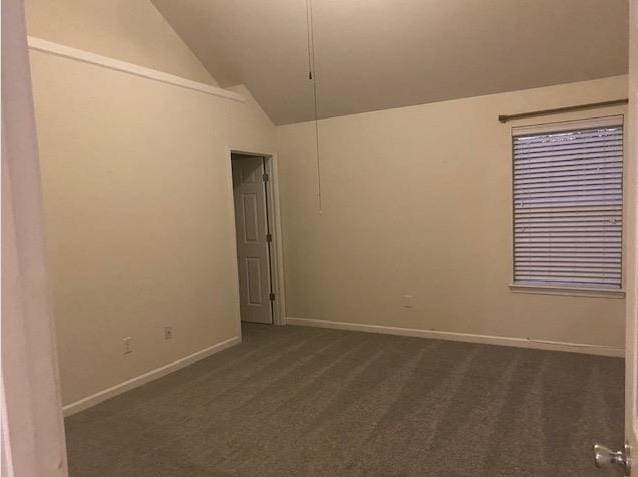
x: 293, y: 401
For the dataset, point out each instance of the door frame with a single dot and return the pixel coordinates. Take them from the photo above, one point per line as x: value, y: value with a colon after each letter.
x: 274, y: 226
x: 631, y: 219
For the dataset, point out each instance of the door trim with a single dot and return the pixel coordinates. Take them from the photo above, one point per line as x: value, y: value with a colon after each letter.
x: 274, y: 225
x: 631, y: 221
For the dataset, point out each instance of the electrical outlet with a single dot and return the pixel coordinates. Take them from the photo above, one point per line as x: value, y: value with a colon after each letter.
x: 168, y: 332
x: 407, y: 301
x: 127, y: 345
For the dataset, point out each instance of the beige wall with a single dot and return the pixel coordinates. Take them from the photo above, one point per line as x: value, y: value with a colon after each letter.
x: 129, y: 30
x: 417, y: 201
x: 139, y: 215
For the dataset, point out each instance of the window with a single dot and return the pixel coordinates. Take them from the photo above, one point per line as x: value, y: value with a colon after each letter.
x: 568, y: 204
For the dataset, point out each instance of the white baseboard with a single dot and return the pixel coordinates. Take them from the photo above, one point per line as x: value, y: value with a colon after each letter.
x: 152, y: 375
x: 466, y: 337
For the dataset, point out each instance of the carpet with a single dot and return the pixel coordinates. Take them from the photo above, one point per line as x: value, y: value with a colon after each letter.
x: 296, y: 401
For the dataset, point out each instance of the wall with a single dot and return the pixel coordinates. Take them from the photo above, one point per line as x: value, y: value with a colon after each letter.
x: 138, y: 207
x: 138, y: 210
x: 417, y: 201
x: 129, y: 30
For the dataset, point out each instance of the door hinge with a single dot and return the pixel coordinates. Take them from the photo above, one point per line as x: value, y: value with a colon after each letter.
x: 268, y: 237
x: 272, y: 297
x: 265, y: 177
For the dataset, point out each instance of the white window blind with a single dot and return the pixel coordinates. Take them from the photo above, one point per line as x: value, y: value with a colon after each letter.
x: 568, y: 202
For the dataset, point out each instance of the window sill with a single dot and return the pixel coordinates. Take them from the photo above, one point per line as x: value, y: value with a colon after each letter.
x: 567, y: 291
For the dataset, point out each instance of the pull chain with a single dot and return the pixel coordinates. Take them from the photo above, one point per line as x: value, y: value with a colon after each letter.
x: 312, y: 77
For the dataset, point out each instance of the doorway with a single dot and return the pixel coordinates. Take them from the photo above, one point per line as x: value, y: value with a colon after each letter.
x: 255, y: 235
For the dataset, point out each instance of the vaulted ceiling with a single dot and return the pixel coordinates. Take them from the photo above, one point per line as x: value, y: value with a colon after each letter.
x: 377, y: 54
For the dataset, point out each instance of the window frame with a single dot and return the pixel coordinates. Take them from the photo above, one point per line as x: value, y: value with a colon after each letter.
x: 614, y: 120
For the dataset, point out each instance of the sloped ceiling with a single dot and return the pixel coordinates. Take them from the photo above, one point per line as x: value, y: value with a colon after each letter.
x: 378, y: 54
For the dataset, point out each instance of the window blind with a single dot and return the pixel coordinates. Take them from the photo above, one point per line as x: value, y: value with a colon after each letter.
x: 568, y: 203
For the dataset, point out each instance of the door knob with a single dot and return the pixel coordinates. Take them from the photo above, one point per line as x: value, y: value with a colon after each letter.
x: 605, y: 457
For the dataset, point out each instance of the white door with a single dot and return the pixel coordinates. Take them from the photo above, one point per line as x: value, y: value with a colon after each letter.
x: 253, y: 254
x: 623, y: 458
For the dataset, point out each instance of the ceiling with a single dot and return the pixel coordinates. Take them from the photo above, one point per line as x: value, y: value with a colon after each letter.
x: 378, y: 54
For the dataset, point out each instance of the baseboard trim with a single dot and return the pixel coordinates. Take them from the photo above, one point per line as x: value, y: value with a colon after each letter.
x: 152, y: 375
x: 465, y: 337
